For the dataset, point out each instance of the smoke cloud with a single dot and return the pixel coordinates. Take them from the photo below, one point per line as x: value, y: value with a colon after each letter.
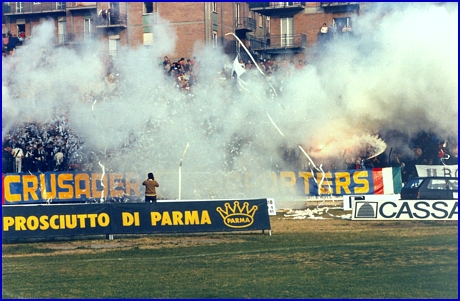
x: 396, y: 77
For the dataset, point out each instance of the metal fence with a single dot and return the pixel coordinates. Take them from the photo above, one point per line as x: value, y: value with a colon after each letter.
x: 280, y: 41
x: 245, y: 23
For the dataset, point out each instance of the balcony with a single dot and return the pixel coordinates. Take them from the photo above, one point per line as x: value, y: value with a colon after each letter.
x: 278, y: 44
x: 339, y: 7
x: 81, y: 37
x: 81, y: 5
x: 111, y: 21
x: 245, y: 24
x: 27, y: 8
x: 61, y: 39
x: 277, y: 8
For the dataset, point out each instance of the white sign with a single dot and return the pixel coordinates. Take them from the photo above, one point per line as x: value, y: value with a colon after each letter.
x: 405, y: 210
x: 349, y: 199
x: 271, y: 206
x: 437, y: 170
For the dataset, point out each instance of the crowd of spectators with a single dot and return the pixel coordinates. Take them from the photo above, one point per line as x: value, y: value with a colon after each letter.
x: 41, y: 147
x: 53, y: 146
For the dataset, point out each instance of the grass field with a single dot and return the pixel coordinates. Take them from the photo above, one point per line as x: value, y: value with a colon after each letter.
x: 301, y: 259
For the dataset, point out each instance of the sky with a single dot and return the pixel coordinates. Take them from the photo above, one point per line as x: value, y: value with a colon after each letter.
x: 397, y: 77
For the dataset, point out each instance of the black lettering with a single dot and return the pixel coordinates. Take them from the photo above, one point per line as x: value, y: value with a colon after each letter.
x: 406, y: 207
x: 447, y: 172
x: 439, y: 209
x: 381, y: 210
x: 454, y: 210
x: 417, y: 207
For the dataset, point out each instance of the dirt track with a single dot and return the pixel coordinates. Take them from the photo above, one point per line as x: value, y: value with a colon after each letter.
x: 279, y: 224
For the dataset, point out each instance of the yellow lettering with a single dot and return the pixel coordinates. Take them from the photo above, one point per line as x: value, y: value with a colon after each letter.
x: 8, y: 221
x: 116, y: 182
x: 48, y: 194
x: 44, y: 225
x: 104, y: 219
x: 71, y: 221
x: 177, y: 218
x: 82, y: 218
x: 61, y: 182
x: 132, y: 183
x: 358, y: 178
x: 92, y: 220
x: 306, y: 176
x: 129, y: 219
x: 166, y: 220
x: 205, y: 218
x: 96, y: 177
x: 79, y: 191
x: 192, y: 218
x: 345, y: 184
x: 32, y: 190
x: 32, y: 223
x: 53, y: 222
x: 7, y: 181
x: 61, y: 221
x: 326, y: 184
x: 155, y: 217
x: 20, y: 223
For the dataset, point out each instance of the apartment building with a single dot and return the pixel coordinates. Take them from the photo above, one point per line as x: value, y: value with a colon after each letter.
x: 268, y: 29
x: 119, y: 24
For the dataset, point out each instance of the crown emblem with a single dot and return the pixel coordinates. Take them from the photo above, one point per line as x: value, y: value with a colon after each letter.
x: 237, y: 217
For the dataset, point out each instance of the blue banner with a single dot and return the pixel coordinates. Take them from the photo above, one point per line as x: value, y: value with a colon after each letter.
x: 23, y: 221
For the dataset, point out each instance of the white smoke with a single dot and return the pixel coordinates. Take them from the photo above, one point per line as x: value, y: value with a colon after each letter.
x: 399, y: 74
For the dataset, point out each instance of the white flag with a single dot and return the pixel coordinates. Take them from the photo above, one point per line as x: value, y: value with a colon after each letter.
x: 238, y: 68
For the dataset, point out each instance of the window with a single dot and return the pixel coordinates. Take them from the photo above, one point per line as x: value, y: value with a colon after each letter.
x: 341, y: 22
x: 148, y: 38
x: 268, y: 24
x: 37, y: 3
x: 19, y: 7
x: 287, y: 31
x: 148, y: 7
x: 60, y: 5
x: 238, y: 14
x: 61, y: 32
x: 114, y: 45
x: 89, y: 28
x: 214, y: 6
x: 261, y: 21
x: 214, y: 39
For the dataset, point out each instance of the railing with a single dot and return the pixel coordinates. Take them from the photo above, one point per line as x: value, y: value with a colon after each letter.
x: 329, y: 4
x: 30, y: 7
x: 279, y: 41
x: 81, y: 4
x: 255, y: 5
x: 245, y: 23
x: 61, y: 39
x: 111, y: 20
x: 81, y: 36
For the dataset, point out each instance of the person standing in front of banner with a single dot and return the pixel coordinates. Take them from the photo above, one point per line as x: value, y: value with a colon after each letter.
x: 150, y: 189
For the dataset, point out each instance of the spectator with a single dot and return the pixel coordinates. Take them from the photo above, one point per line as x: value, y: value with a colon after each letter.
x: 28, y: 159
x: 7, y: 160
x: 299, y: 65
x: 150, y: 191
x: 12, y: 43
x: 442, y: 152
x: 18, y: 154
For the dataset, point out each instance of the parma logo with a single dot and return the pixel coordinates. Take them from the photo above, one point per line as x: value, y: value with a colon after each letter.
x: 237, y: 217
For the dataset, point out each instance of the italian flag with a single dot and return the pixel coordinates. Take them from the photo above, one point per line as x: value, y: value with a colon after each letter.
x: 387, y: 180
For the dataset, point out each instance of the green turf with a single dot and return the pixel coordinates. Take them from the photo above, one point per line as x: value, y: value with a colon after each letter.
x: 378, y: 263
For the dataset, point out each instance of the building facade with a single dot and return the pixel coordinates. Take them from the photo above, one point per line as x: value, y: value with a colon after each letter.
x: 268, y: 29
